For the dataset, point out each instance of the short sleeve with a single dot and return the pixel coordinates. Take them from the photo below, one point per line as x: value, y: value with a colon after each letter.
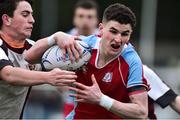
x: 4, y: 60
x: 136, y: 81
x: 92, y: 41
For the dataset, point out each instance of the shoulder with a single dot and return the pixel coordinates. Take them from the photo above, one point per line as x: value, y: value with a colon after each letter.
x: 28, y: 44
x: 92, y: 41
x: 3, y: 48
x: 30, y: 41
x: 130, y: 55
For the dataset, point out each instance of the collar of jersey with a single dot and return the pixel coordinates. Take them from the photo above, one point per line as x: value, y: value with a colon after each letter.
x: 11, y: 42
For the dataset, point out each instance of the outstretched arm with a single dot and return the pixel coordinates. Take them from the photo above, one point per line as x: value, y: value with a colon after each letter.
x: 23, y: 77
x: 160, y: 92
x: 175, y: 104
x: 64, y: 41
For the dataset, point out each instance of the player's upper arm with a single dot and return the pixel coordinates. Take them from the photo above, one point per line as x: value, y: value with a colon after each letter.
x: 4, y: 61
x: 141, y: 100
x: 136, y: 82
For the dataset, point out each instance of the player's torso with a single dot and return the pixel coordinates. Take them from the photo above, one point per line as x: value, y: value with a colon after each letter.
x: 111, y: 82
x: 12, y: 98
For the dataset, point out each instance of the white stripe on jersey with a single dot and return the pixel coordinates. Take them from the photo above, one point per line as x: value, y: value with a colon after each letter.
x: 158, y: 88
x: 3, y: 55
x: 96, y: 46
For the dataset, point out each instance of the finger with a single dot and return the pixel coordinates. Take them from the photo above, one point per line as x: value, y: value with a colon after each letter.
x: 81, y: 86
x: 70, y: 54
x: 62, y: 76
x: 65, y: 81
x: 79, y: 100
x: 61, y: 85
x: 79, y: 91
x: 75, y: 53
x: 78, y: 48
x: 93, y: 79
x: 77, y: 96
x: 65, y: 72
x: 63, y: 50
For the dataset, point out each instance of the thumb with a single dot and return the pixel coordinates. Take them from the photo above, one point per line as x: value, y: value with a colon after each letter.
x: 93, y: 79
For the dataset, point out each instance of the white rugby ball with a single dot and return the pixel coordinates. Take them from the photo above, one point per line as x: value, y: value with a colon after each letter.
x: 53, y: 58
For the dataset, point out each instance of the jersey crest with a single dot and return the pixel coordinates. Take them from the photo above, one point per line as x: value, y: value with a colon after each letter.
x: 107, y: 77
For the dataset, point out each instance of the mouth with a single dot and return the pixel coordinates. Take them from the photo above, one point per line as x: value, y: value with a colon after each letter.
x: 29, y: 29
x: 115, y: 46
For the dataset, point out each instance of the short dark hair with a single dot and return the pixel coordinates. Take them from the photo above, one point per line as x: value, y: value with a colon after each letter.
x: 120, y: 13
x: 87, y: 4
x: 8, y: 7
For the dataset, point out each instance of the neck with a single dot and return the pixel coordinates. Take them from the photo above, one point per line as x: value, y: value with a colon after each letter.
x: 12, y: 34
x: 86, y: 33
x: 104, y: 58
x: 12, y: 39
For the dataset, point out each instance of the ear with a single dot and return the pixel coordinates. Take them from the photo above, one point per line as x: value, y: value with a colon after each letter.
x: 6, y: 19
x: 129, y: 36
x: 101, y: 28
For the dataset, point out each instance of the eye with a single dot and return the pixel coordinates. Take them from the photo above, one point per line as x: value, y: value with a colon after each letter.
x: 81, y: 16
x: 124, y: 34
x: 90, y: 16
x: 25, y: 14
x: 113, y: 31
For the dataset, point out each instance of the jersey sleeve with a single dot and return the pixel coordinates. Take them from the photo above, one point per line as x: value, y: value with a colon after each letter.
x: 92, y: 41
x: 136, y: 82
x: 159, y: 91
x: 4, y: 60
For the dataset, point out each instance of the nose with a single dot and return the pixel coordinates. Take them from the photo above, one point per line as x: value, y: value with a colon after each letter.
x: 118, y: 37
x: 31, y: 19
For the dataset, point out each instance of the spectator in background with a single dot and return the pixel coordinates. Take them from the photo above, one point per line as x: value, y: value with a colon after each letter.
x: 85, y: 18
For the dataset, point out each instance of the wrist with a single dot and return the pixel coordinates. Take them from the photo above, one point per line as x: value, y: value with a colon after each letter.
x: 106, y: 102
x: 51, y: 40
x: 46, y: 77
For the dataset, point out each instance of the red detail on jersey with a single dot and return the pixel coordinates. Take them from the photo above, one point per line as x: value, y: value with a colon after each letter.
x: 68, y: 108
x: 145, y: 81
x: 151, y: 111
x: 114, y: 89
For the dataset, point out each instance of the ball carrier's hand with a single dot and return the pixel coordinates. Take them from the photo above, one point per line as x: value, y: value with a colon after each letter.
x: 68, y: 45
x: 89, y: 94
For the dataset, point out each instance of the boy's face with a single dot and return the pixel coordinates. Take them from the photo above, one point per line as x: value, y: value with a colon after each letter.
x: 22, y: 21
x: 114, y: 36
x: 85, y: 20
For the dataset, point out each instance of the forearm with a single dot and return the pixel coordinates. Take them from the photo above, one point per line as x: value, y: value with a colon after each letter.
x: 34, y: 54
x: 137, y: 108
x: 23, y: 77
x: 175, y: 104
x: 129, y: 110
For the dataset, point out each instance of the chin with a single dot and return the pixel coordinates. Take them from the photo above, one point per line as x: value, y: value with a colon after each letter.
x: 113, y: 53
x: 28, y: 35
